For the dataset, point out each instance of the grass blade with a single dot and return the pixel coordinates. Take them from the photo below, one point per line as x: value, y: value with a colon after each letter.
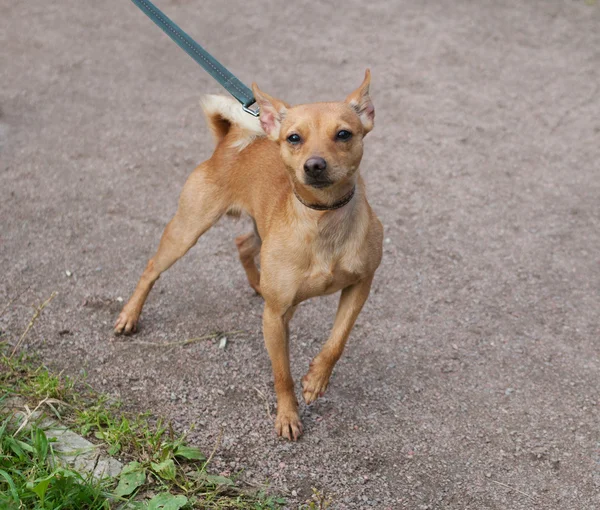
x: 189, y: 452
x: 11, y: 485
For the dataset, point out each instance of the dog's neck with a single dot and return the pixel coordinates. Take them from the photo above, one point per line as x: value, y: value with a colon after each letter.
x: 331, y: 228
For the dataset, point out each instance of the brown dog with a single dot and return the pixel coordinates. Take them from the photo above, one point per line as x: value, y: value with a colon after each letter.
x: 314, y: 229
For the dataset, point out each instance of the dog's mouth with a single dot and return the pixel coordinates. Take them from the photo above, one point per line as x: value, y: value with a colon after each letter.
x: 319, y: 183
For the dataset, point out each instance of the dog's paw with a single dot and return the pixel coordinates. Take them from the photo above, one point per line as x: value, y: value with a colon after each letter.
x: 288, y: 425
x: 315, y: 382
x: 126, y: 323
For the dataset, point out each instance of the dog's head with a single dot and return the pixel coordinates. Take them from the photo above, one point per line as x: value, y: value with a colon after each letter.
x: 321, y: 143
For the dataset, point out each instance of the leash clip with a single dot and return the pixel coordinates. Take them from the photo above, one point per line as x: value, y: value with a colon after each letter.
x: 254, y: 113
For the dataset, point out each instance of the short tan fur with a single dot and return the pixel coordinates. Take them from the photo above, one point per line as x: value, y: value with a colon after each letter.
x: 270, y: 168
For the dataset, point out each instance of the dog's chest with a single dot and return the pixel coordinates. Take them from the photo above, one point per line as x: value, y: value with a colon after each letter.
x: 316, y: 258
x: 329, y: 271
x: 327, y: 280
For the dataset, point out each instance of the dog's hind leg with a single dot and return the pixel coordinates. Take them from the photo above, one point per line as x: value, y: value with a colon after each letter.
x: 248, y: 247
x: 201, y: 204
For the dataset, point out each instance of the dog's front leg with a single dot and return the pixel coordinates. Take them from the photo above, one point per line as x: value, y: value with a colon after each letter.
x: 315, y: 382
x: 276, y: 331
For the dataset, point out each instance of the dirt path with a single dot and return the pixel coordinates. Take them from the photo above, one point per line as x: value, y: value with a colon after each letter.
x: 471, y: 380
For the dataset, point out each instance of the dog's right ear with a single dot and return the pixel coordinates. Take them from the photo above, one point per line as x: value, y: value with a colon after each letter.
x: 361, y: 102
x: 272, y: 112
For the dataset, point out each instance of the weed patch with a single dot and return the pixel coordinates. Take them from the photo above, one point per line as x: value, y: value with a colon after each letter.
x: 161, y: 470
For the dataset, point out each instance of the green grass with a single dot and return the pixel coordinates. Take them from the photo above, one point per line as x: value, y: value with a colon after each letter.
x: 162, y: 471
x: 30, y: 477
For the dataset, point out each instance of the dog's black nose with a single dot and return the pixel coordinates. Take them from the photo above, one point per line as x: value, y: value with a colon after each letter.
x: 315, y: 166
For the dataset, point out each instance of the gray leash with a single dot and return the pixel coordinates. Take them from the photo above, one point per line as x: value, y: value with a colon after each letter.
x: 212, y: 66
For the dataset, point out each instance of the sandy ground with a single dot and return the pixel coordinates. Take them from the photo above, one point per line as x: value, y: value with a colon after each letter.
x: 471, y: 379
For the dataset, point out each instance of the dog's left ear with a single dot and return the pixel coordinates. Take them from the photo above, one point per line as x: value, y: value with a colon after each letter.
x: 362, y: 104
x: 272, y: 112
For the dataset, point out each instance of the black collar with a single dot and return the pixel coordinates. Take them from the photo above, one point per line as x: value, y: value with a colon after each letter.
x: 320, y: 207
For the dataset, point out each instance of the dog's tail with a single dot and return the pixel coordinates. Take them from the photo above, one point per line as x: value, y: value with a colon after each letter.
x: 223, y: 113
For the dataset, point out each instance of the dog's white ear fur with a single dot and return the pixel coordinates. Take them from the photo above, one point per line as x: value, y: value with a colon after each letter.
x: 362, y: 104
x: 272, y: 112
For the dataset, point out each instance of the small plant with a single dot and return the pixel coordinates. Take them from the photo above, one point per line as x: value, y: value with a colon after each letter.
x: 318, y: 501
x: 30, y: 477
x: 31, y: 383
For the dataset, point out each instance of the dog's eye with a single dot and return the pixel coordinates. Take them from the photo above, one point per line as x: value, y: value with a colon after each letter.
x: 294, y: 138
x: 343, y: 135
